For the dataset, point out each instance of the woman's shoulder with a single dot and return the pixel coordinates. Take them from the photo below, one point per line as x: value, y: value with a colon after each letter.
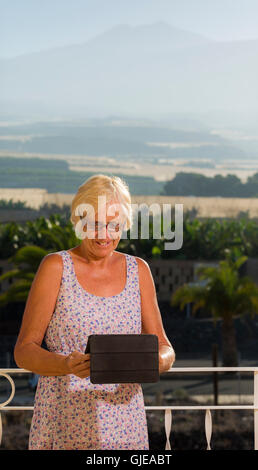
x: 49, y: 272
x: 54, y: 256
x: 52, y: 260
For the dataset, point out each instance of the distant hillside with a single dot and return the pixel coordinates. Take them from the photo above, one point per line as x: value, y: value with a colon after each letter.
x: 142, y: 140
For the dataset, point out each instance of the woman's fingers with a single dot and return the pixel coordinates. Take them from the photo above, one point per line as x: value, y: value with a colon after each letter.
x: 79, y: 364
x: 81, y: 367
x: 78, y: 358
x: 82, y: 373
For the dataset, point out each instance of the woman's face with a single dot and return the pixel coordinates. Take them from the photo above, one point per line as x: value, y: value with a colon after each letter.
x: 105, y: 232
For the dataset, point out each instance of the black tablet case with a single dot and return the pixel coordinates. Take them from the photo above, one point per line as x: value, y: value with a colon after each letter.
x: 123, y: 358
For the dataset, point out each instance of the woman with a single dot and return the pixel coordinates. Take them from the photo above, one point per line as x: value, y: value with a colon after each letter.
x: 91, y: 288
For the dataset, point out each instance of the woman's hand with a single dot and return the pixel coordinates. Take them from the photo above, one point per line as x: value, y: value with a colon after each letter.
x: 78, y: 364
x: 166, y: 358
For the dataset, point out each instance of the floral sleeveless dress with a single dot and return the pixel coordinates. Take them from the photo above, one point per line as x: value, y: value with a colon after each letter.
x: 70, y: 412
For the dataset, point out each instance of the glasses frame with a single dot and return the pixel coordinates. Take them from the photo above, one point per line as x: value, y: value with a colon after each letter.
x: 91, y: 229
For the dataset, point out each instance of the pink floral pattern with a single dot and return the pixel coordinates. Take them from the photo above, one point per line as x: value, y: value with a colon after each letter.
x: 72, y: 413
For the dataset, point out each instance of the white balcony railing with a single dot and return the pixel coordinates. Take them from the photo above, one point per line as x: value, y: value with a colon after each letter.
x: 167, y: 409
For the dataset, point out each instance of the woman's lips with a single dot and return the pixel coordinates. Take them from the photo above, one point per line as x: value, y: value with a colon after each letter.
x: 103, y: 245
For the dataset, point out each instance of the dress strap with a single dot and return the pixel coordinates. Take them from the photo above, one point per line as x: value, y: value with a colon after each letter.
x: 133, y: 275
x: 67, y: 267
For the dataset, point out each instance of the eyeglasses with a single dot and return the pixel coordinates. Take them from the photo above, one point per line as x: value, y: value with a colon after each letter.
x: 112, y: 227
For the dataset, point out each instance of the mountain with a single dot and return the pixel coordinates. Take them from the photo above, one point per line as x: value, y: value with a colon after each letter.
x: 158, y: 36
x: 146, y: 70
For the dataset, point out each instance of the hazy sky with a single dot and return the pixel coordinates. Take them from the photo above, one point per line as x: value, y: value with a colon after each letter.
x: 33, y: 25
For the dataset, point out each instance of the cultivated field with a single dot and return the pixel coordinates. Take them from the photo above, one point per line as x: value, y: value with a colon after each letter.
x: 161, y: 169
x: 206, y: 206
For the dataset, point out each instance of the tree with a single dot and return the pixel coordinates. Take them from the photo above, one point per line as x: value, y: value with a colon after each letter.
x: 27, y: 260
x: 53, y: 234
x: 224, y: 294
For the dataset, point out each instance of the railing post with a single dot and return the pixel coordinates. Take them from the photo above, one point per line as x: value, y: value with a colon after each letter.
x: 256, y: 410
x: 2, y: 405
x: 168, y: 424
x: 208, y: 428
x: 1, y: 429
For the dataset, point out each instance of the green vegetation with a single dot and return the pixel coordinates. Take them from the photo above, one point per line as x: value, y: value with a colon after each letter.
x: 225, y: 295
x: 11, y: 205
x: 196, y: 184
x: 55, y: 176
x: 207, y: 239
x: 26, y: 246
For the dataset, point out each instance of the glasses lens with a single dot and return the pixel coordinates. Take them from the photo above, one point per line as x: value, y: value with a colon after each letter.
x: 91, y: 226
x: 111, y: 226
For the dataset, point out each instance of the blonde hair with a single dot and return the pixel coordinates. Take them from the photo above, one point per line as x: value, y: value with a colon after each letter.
x: 113, y: 187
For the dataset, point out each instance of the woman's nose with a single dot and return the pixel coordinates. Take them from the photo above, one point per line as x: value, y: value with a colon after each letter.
x: 108, y: 234
x: 104, y: 233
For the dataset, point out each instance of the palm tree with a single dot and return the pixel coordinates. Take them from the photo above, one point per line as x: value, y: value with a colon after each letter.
x: 43, y: 236
x: 224, y: 294
x: 27, y: 260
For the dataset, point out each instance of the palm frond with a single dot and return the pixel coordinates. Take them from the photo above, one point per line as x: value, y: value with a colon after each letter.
x: 225, y: 292
x: 188, y: 294
x: 10, y: 274
x: 18, y: 292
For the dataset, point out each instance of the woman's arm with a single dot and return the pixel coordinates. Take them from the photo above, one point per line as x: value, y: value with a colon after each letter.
x: 40, y: 305
x: 151, y: 317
